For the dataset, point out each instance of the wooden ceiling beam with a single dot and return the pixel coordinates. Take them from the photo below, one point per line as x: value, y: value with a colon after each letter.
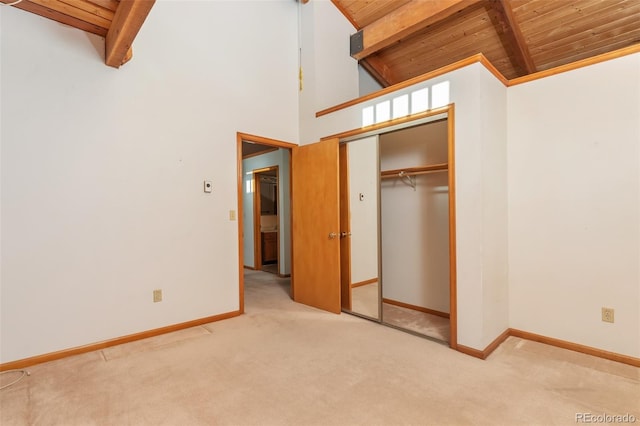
x: 127, y: 21
x: 112, y: 5
x: 43, y: 9
x: 513, y: 31
x: 378, y: 70
x: 403, y: 22
x: 85, y: 6
x: 72, y: 9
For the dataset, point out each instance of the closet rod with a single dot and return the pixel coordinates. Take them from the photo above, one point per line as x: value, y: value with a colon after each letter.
x: 412, y: 171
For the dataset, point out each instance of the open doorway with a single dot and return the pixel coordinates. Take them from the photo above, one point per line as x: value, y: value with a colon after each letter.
x: 264, y: 217
x: 266, y: 220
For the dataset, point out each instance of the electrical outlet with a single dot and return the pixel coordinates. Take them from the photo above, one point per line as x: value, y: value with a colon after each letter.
x: 157, y: 296
x: 607, y: 314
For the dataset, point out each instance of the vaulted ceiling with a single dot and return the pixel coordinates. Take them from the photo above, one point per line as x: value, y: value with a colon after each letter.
x: 396, y: 40
x: 401, y: 39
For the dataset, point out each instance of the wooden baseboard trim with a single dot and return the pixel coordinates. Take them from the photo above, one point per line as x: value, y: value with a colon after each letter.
x: 576, y: 347
x: 600, y: 353
x: 488, y: 350
x: 476, y: 353
x: 39, y: 359
x: 249, y: 267
x: 365, y: 282
x: 416, y: 308
x: 284, y: 275
x: 496, y: 342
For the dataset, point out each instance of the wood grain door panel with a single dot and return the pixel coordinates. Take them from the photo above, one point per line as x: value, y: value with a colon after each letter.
x: 315, y: 209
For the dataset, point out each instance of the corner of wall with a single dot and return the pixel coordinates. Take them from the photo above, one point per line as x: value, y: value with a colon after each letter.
x: 494, y: 207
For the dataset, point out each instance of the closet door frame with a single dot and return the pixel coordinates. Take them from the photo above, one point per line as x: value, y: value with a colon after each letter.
x: 448, y: 113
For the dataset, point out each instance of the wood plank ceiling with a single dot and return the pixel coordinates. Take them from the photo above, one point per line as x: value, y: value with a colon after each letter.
x: 117, y: 20
x: 401, y: 39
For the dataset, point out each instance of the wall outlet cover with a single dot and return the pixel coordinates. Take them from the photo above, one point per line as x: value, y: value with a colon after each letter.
x: 607, y: 314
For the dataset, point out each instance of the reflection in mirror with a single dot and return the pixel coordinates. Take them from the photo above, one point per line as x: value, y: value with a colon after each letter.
x: 268, y: 192
x: 362, y: 160
x: 414, y: 202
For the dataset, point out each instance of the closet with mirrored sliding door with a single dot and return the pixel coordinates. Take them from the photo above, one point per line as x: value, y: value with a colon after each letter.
x: 396, y: 211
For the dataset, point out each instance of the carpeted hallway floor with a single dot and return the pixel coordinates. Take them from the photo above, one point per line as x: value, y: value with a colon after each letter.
x: 288, y: 364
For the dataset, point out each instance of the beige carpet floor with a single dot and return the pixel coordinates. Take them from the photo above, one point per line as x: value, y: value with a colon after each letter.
x: 365, y: 301
x: 416, y: 321
x: 284, y: 363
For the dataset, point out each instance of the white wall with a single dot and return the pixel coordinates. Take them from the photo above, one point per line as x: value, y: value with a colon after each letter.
x: 281, y: 159
x: 330, y: 73
x: 363, y: 179
x: 366, y: 83
x: 102, y: 169
x: 574, y: 205
x: 1, y: 186
x: 415, y: 222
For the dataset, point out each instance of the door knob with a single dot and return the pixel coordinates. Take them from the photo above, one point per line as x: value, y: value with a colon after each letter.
x: 345, y: 234
x: 332, y: 235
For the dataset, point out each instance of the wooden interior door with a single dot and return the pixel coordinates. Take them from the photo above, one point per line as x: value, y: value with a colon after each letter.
x: 315, y: 222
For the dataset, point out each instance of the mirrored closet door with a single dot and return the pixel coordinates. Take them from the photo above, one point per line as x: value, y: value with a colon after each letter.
x: 360, y: 227
x: 398, y: 209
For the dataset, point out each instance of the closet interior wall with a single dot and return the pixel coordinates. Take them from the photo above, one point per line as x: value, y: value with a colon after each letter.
x: 414, y: 218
